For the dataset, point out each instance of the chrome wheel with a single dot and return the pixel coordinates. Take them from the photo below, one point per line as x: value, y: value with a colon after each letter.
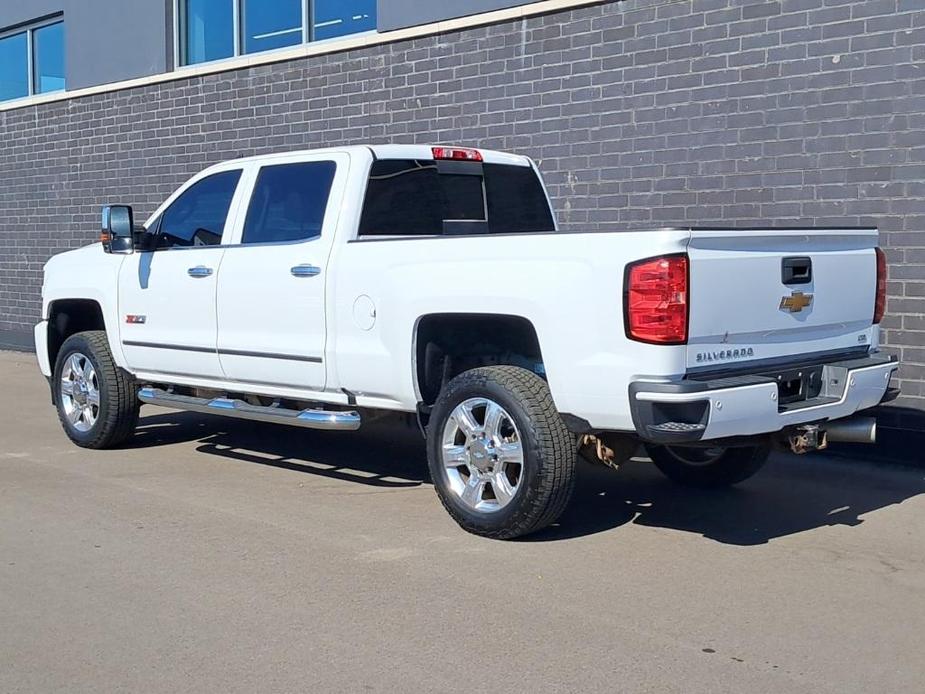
x: 79, y: 391
x: 695, y: 456
x: 483, y: 455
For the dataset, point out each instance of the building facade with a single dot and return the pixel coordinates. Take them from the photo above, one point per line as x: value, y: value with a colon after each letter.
x: 640, y: 113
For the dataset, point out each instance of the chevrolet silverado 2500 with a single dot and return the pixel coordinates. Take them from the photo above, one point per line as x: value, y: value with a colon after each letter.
x: 316, y: 288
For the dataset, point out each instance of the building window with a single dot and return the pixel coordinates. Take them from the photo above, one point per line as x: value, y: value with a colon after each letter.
x: 332, y: 18
x: 32, y: 61
x: 215, y: 29
x: 269, y: 25
x: 48, y: 58
x: 207, y: 30
x: 14, y: 66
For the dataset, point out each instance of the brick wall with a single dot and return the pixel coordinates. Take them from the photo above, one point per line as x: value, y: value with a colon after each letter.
x: 641, y: 113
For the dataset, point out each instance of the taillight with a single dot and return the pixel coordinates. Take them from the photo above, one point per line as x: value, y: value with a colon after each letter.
x: 655, y: 300
x: 457, y: 153
x: 880, y: 301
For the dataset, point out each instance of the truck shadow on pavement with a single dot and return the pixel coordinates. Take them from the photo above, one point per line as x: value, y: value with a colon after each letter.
x: 790, y: 495
x: 385, y: 458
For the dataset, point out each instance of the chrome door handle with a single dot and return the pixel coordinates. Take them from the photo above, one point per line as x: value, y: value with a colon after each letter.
x: 305, y: 271
x: 199, y: 271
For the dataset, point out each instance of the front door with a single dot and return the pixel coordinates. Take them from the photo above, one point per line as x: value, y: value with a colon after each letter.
x: 167, y: 295
x: 271, y: 289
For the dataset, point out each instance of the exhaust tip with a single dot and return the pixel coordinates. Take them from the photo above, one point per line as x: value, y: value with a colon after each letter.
x: 852, y: 430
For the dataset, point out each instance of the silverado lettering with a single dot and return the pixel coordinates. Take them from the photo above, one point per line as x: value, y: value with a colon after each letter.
x: 726, y: 354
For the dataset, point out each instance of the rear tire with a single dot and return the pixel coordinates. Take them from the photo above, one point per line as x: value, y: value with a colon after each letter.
x: 501, y: 459
x: 708, y: 467
x: 96, y: 401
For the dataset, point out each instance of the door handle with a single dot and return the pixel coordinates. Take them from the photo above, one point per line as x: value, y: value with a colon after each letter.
x: 199, y: 271
x: 305, y: 270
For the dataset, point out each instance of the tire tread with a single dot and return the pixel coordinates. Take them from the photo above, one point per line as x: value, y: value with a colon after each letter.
x: 555, y: 447
x: 117, y: 388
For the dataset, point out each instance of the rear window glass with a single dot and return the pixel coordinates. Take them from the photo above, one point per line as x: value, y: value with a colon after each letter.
x: 406, y: 197
x: 516, y: 200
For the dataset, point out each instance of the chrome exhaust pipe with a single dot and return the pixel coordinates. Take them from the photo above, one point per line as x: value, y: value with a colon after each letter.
x: 851, y: 430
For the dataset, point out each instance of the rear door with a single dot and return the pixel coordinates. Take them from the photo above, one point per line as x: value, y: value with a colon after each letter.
x: 779, y: 293
x: 272, y: 286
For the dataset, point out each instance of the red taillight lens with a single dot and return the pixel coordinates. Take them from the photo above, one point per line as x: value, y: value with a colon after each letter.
x: 656, y: 300
x: 457, y: 153
x: 880, y: 301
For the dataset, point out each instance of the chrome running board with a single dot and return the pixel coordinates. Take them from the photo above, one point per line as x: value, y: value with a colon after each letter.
x: 331, y: 420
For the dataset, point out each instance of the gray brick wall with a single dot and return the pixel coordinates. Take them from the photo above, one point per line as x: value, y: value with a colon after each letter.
x: 641, y: 113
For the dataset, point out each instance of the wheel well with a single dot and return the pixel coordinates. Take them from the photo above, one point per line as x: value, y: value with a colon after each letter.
x: 448, y: 344
x: 67, y: 317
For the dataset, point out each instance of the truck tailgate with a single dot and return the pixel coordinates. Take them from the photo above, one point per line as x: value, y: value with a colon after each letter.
x: 779, y: 293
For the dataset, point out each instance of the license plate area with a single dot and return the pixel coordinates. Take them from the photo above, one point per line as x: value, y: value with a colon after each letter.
x: 797, y: 385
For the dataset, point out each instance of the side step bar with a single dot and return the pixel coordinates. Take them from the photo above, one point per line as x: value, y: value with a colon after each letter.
x: 309, y: 419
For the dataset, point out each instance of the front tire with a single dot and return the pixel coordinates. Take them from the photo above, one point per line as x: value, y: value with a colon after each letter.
x: 96, y: 401
x: 500, y: 456
x: 708, y: 467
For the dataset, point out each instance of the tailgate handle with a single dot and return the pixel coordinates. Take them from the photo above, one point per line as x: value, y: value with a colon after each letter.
x: 797, y: 270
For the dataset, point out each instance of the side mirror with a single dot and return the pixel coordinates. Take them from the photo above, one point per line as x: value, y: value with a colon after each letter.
x: 117, y: 229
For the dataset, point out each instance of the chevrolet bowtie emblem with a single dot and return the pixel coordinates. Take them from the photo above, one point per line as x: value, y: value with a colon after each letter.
x: 796, y: 302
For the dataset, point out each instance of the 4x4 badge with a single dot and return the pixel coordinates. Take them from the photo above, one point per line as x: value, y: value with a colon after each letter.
x: 796, y: 302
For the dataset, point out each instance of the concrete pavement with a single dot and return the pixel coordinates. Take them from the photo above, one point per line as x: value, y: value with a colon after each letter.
x: 216, y: 555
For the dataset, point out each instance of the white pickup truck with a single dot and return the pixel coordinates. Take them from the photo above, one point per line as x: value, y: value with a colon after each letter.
x: 317, y: 288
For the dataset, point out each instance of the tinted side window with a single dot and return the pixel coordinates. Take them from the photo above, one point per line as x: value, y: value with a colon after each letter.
x: 197, y: 217
x: 289, y: 201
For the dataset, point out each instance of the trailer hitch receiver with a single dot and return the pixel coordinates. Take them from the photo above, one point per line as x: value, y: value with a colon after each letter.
x: 806, y: 438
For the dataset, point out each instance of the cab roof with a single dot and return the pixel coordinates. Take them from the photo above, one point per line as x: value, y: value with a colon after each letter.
x: 386, y: 151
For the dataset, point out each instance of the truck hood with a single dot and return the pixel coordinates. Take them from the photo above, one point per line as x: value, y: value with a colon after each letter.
x: 76, y: 257
x: 85, y: 272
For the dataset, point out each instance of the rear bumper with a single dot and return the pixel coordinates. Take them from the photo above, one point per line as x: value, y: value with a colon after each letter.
x: 687, y: 411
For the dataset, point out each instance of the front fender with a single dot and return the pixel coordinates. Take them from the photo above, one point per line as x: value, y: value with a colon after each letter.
x: 86, y: 274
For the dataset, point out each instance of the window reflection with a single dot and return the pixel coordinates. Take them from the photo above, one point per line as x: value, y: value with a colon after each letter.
x: 207, y: 27
x: 48, y: 58
x: 268, y: 25
x: 14, y: 66
x: 342, y: 17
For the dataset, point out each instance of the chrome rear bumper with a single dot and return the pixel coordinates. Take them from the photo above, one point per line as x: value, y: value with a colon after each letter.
x: 687, y: 410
